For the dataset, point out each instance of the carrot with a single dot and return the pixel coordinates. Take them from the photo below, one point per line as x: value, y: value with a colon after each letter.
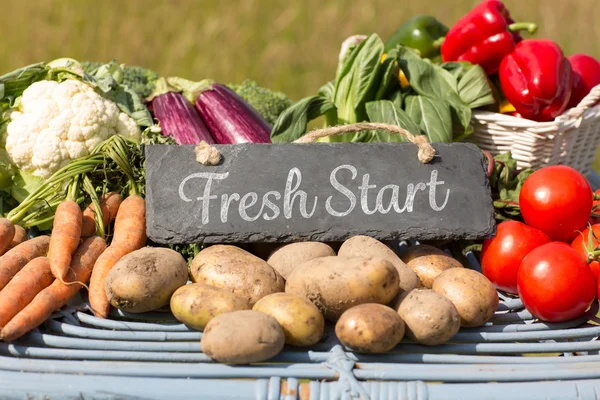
x: 109, y: 206
x: 58, y: 293
x: 130, y: 223
x: 15, y: 259
x: 66, y: 234
x: 26, y: 284
x: 97, y: 293
x: 129, y: 235
x: 7, y: 232
x: 19, y: 237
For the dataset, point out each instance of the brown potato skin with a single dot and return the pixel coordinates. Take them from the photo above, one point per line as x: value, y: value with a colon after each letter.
x: 335, y: 284
x: 429, y: 262
x: 419, y: 251
x: 473, y: 295
x: 286, y: 258
x: 145, y: 279
x: 194, y: 305
x: 365, y: 246
x: 370, y: 328
x: 236, y: 270
x: 242, y: 337
x: 430, y: 318
x: 301, y: 320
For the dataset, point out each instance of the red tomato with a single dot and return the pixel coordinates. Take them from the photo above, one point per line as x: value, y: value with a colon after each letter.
x: 558, y: 201
x: 501, y: 256
x: 555, y: 283
x: 582, y: 244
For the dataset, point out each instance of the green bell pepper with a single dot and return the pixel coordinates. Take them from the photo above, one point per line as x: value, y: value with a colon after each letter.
x: 420, y: 33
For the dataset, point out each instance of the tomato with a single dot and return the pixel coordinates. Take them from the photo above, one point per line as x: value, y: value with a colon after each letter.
x: 584, y: 244
x: 501, y: 256
x: 558, y: 201
x: 555, y: 283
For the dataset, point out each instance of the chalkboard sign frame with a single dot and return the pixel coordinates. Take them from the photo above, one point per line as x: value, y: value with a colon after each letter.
x: 262, y: 168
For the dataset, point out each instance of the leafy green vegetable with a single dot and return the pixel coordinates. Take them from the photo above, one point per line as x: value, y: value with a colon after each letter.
x: 432, y: 81
x: 473, y: 87
x: 14, y: 83
x: 292, y: 123
x: 268, y: 103
x: 357, y: 81
x: 506, y: 181
x: 328, y: 91
x: 385, y: 111
x: 432, y: 115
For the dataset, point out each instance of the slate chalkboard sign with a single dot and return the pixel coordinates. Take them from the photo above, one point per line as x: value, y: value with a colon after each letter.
x: 322, y: 192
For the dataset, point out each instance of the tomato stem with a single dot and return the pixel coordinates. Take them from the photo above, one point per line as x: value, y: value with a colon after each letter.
x: 592, y: 255
x: 596, y: 196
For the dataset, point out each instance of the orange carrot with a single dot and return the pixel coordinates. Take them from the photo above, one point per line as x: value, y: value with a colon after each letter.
x: 109, y: 206
x: 19, y: 237
x: 7, y: 232
x: 66, y: 234
x: 26, y: 284
x: 57, y: 294
x: 130, y: 223
x: 15, y: 259
x: 97, y: 293
x: 129, y: 235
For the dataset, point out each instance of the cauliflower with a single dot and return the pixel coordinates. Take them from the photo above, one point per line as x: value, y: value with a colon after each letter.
x: 58, y: 122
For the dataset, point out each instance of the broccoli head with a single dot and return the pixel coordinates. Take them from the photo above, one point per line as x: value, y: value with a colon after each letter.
x: 140, y: 80
x: 268, y: 103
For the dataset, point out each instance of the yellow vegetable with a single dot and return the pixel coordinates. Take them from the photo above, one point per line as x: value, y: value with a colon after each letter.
x: 401, y: 77
x: 506, y: 107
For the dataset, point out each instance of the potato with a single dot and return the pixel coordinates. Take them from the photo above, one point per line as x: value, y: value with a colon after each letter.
x: 335, y: 284
x: 370, y: 328
x: 288, y: 257
x: 145, y: 279
x: 196, y: 304
x: 236, y: 270
x: 364, y: 246
x: 430, y: 318
x: 419, y: 251
x: 473, y: 295
x: 242, y: 337
x: 428, y: 262
x: 301, y: 320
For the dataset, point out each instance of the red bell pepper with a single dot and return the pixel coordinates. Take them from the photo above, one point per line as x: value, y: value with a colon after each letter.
x: 537, y: 79
x: 586, y: 75
x: 484, y: 36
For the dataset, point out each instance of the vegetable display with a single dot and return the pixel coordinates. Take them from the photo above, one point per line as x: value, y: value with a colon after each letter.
x: 72, y: 185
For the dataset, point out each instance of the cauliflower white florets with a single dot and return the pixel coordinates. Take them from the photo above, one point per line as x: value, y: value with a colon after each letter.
x: 59, y: 122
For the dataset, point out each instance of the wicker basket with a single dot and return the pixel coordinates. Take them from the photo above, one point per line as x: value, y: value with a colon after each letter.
x: 571, y: 139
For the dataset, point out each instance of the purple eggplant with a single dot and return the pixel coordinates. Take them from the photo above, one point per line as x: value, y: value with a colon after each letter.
x: 177, y: 117
x: 228, y: 117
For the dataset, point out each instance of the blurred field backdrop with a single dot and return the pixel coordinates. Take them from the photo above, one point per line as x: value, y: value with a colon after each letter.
x: 286, y: 45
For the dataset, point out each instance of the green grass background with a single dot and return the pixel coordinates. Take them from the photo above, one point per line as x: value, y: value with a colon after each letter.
x: 286, y: 45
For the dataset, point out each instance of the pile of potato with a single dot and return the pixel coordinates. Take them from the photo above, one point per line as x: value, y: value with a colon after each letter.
x: 249, y: 307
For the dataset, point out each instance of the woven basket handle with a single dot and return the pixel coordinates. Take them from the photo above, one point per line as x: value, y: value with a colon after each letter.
x: 588, y: 101
x: 426, y: 150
